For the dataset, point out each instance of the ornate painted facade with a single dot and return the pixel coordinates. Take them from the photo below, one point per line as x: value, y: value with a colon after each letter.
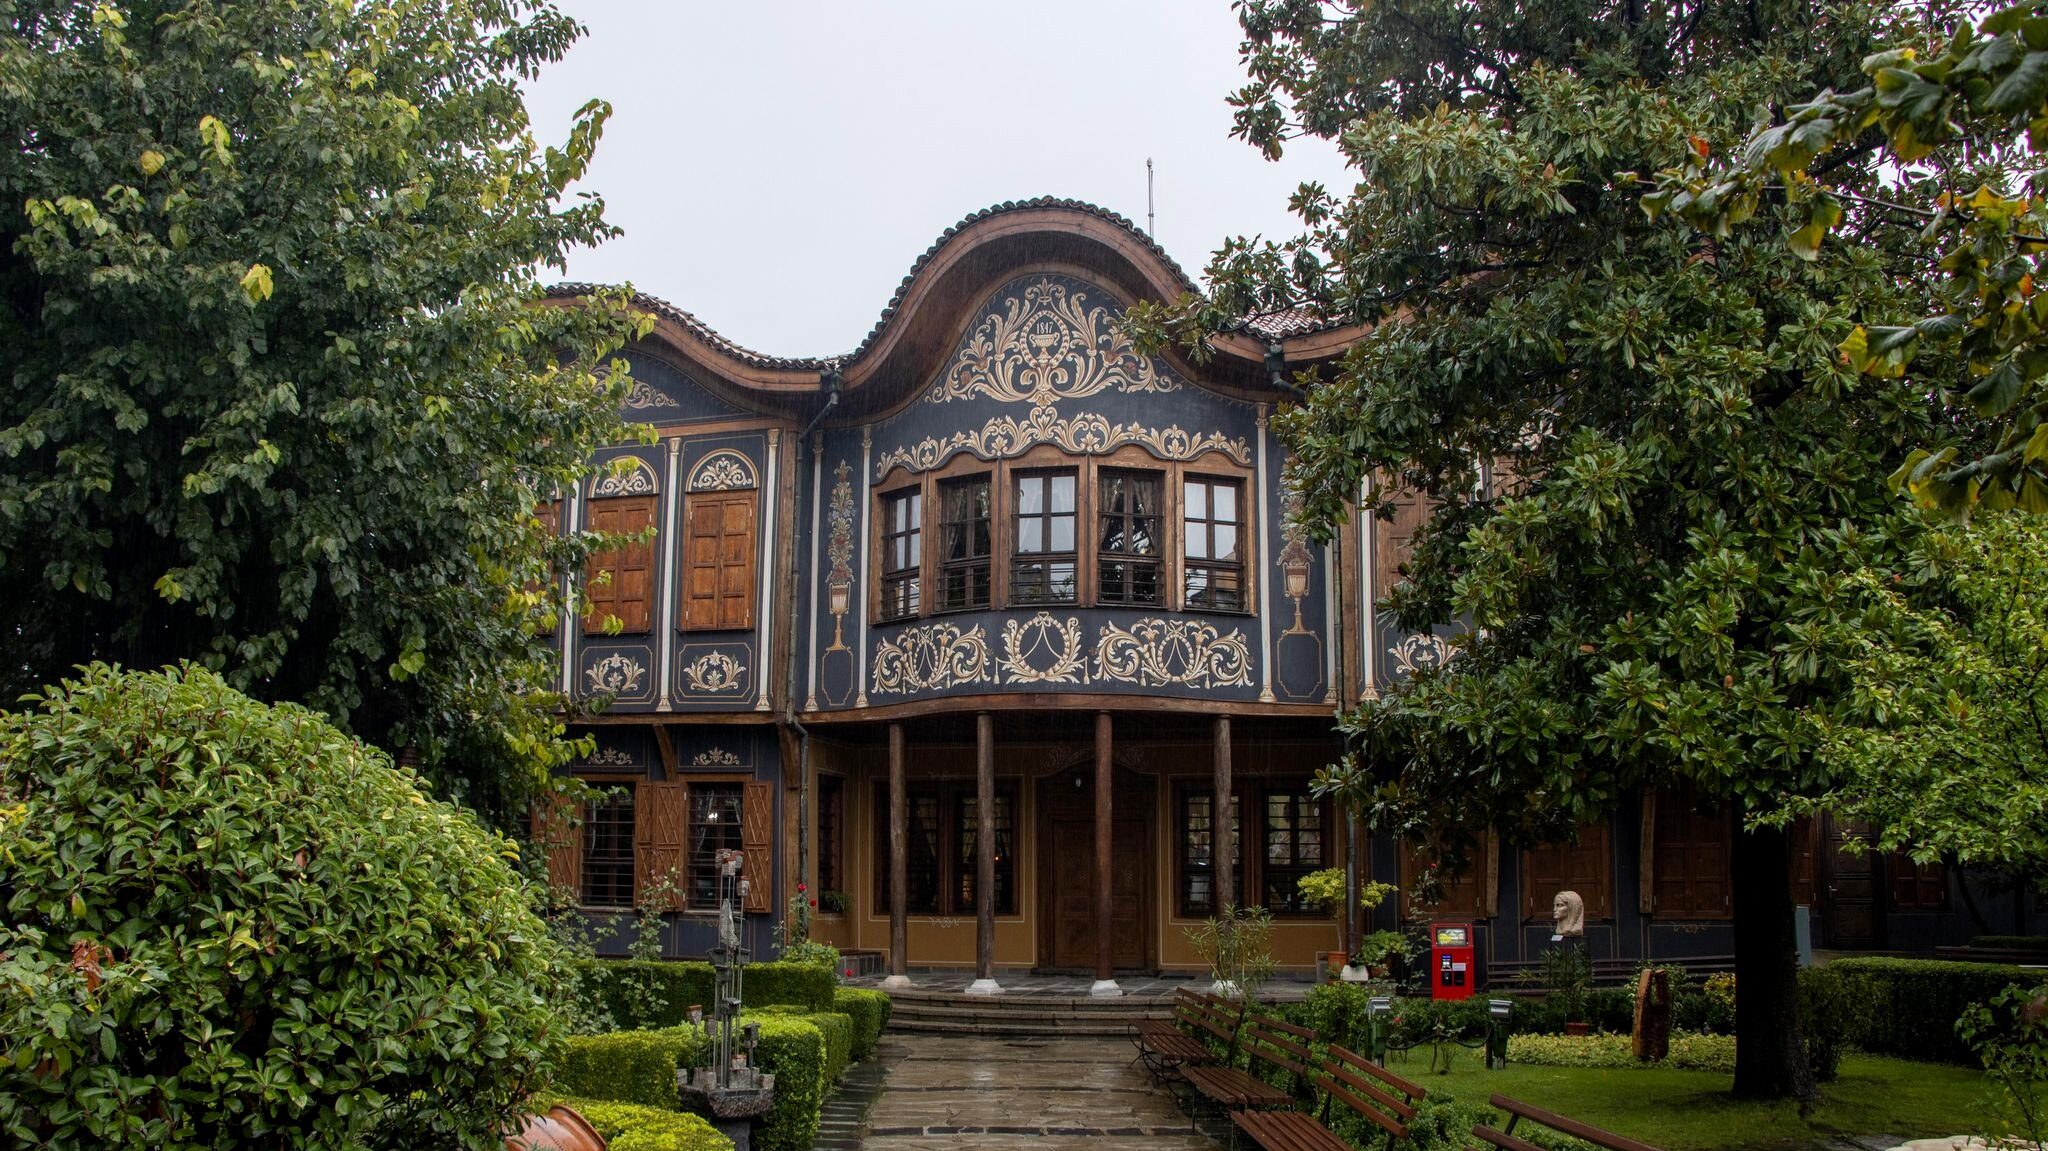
x: 995, y: 554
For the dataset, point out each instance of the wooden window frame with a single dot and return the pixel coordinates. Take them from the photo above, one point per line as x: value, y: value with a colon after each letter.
x: 630, y: 859
x: 1304, y: 800
x: 1046, y: 557
x: 946, y: 797
x: 1184, y: 868
x: 949, y: 567
x: 1088, y: 472
x: 1536, y: 904
x: 1189, y: 563
x: 1163, y: 574
x: 831, y: 833
x: 605, y: 598
x: 688, y: 619
x: 889, y: 578
x: 1681, y: 840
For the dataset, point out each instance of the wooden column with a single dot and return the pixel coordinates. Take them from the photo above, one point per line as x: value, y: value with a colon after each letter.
x: 1105, y: 954
x: 984, y: 856
x: 1226, y: 858
x: 899, y: 863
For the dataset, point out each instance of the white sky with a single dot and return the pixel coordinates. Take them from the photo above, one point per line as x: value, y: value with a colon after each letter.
x: 777, y: 167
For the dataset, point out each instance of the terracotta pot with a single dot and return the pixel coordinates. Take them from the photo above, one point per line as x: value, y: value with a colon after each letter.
x: 1576, y: 1028
x: 561, y: 1129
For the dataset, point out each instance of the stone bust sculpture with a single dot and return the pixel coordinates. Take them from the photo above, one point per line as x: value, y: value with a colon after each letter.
x: 1567, y: 916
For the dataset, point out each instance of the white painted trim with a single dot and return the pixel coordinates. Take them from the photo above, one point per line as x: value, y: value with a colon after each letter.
x: 1265, y: 571
x: 570, y: 620
x: 811, y: 606
x: 771, y: 495
x: 1332, y: 625
x: 860, y: 643
x: 672, y: 500
x: 1369, y: 648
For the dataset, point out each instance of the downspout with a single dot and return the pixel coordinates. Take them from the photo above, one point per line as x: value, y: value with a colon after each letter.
x: 829, y: 382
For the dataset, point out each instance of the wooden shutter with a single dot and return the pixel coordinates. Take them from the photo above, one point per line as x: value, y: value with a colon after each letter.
x: 660, y: 830
x: 1690, y: 859
x: 629, y: 593
x: 719, y: 555
x: 1799, y: 842
x: 1583, y: 867
x: 1397, y: 539
x: 757, y: 822
x: 559, y: 837
x: 1463, y: 895
x: 1917, y: 886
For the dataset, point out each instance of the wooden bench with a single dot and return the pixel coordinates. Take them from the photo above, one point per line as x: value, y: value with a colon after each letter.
x: 1382, y: 1097
x: 1275, y: 1043
x: 1518, y: 1111
x: 1165, y: 1045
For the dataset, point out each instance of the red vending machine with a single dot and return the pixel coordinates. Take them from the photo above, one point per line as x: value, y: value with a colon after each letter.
x: 1451, y: 974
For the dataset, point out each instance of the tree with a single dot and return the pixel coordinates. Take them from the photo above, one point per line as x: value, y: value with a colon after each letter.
x: 1963, y: 122
x: 1684, y: 473
x: 1942, y: 745
x: 279, y: 399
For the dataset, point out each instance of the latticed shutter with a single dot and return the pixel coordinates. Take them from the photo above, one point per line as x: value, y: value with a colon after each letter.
x: 660, y: 830
x: 560, y: 840
x: 1397, y: 539
x: 1583, y: 867
x: 1690, y: 862
x: 719, y: 562
x: 757, y: 823
x: 629, y: 592
x: 1917, y: 886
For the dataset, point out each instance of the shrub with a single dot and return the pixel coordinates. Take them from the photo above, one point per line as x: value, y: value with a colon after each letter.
x: 1909, y: 1007
x: 630, y: 1127
x: 2010, y: 1036
x: 640, y: 993
x: 835, y: 1027
x: 229, y: 924
x: 624, y: 1066
x: 2034, y: 943
x: 1827, y: 1016
x: 1688, y: 1052
x: 869, y: 1011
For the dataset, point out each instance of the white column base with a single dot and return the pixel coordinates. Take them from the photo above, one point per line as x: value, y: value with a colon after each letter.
x: 896, y: 983
x: 1355, y: 973
x: 984, y: 987
x: 1105, y: 989
x: 1223, y: 987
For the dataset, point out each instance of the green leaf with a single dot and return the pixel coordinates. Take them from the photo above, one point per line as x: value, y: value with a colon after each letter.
x: 2022, y: 89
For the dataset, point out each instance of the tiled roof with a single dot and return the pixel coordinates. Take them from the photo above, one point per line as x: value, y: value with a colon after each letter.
x: 1278, y: 326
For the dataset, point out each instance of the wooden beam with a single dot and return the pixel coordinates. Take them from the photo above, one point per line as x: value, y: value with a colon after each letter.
x: 899, y: 856
x: 984, y: 846
x: 1226, y: 844
x: 1105, y: 955
x: 670, y: 767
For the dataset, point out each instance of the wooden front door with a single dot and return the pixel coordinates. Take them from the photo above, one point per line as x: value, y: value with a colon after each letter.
x: 1851, y: 916
x: 1067, y: 870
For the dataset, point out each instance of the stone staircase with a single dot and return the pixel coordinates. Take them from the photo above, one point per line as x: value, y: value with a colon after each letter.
x: 1012, y: 1014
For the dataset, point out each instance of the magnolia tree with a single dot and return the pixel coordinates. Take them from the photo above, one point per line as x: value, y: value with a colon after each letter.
x: 278, y: 397
x: 1686, y: 472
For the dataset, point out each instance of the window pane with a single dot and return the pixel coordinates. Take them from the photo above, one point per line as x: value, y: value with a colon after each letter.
x: 1226, y: 542
x: 1062, y: 534
x: 1226, y: 502
x: 1195, y: 496
x: 1030, y: 495
x: 714, y: 827
x: 608, y: 850
x: 1030, y: 535
x: 1063, y: 493
x: 1198, y: 541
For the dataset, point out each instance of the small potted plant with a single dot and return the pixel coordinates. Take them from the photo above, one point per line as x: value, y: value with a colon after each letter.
x: 1568, y: 976
x: 1325, y: 889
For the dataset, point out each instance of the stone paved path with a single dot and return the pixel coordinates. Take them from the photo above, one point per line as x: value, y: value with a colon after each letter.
x: 1052, y: 1094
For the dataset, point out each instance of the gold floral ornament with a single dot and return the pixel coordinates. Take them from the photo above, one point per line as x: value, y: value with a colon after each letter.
x: 1422, y: 651
x: 1088, y: 434
x: 716, y: 673
x: 1044, y: 650
x: 930, y: 658
x: 1173, y: 653
x: 1044, y: 346
x: 616, y: 674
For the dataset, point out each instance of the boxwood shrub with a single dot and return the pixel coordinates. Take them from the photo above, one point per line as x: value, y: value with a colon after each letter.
x: 837, y: 1029
x: 625, y: 1066
x: 869, y: 1010
x: 1605, y: 1050
x: 1909, y: 1007
x: 650, y: 994
x: 631, y: 1127
x: 194, y: 888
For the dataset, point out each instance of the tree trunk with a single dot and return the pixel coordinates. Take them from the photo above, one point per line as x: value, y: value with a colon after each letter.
x: 1770, y: 1043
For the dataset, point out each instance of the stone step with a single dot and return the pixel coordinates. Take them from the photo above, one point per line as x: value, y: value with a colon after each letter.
x: 1066, y: 1029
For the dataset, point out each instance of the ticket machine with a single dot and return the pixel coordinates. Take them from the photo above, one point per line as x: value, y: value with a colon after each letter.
x: 1451, y: 971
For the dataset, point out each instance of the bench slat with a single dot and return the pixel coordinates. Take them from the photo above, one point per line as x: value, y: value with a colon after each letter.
x: 1501, y: 1139
x: 1287, y: 1131
x: 1572, y: 1127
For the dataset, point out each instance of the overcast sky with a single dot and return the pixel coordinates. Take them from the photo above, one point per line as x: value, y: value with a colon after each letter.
x: 777, y: 167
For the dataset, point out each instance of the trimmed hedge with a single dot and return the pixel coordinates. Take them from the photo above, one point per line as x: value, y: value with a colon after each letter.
x: 624, y: 1066
x: 2034, y: 943
x: 651, y: 994
x: 1909, y: 1007
x: 630, y: 1127
x: 791, y: 1048
x: 1688, y: 1052
x: 836, y: 1027
x: 870, y: 1013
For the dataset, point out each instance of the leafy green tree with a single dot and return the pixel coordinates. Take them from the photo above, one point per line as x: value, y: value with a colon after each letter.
x: 1964, y: 120
x: 1942, y: 744
x: 278, y: 397
x: 1682, y: 471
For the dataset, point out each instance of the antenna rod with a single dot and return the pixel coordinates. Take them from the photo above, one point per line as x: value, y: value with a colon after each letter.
x: 1150, y: 219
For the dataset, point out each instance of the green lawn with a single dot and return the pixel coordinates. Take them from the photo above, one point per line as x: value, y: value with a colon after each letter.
x: 1692, y: 1111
